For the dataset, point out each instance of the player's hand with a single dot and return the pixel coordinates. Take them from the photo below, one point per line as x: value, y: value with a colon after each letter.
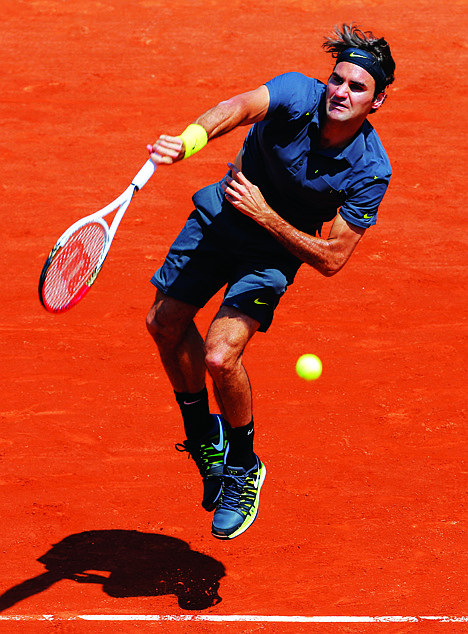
x: 245, y: 196
x: 166, y: 150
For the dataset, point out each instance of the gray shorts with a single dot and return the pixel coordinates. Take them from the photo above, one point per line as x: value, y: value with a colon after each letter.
x: 219, y: 246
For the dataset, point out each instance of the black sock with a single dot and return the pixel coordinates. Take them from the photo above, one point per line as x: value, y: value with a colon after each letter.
x: 241, y: 453
x: 196, y: 413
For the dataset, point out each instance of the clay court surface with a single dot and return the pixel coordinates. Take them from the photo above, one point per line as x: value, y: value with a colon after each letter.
x: 365, y: 507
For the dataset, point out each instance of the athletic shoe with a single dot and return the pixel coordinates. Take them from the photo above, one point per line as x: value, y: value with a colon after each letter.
x: 238, y: 506
x: 210, y: 455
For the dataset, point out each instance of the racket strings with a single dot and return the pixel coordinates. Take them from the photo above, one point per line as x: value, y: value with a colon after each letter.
x: 70, y: 273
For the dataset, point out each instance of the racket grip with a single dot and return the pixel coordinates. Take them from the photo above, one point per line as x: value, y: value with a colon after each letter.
x: 144, y: 174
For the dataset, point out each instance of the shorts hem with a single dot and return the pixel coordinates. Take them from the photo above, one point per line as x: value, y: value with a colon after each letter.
x: 169, y: 292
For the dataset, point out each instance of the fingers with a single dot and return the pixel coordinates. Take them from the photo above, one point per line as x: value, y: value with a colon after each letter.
x: 231, y: 189
x: 237, y: 174
x: 235, y: 179
x: 238, y: 182
x: 166, y: 150
x: 238, y: 190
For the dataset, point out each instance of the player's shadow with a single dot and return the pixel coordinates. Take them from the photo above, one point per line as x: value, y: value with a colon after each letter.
x: 133, y: 564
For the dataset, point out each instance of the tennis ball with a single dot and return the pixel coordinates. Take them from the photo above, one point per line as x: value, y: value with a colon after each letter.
x: 309, y: 367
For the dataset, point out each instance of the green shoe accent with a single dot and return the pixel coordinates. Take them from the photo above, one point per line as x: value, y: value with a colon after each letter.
x: 238, y: 506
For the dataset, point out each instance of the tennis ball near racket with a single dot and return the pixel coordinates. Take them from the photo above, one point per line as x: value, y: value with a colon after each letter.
x: 309, y: 367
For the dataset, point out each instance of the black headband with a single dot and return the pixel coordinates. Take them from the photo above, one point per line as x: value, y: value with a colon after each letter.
x: 368, y: 62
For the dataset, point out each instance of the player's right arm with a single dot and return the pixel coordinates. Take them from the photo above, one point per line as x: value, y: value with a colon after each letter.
x: 244, y: 109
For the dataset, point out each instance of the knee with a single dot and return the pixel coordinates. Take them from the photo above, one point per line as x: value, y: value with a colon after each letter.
x: 213, y: 361
x: 219, y: 360
x: 151, y: 323
x: 168, y: 321
x: 154, y: 324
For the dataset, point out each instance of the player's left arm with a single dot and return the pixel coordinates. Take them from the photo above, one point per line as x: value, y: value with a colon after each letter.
x: 327, y: 255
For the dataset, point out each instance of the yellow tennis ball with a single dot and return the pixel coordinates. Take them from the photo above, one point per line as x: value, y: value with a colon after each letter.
x: 309, y: 367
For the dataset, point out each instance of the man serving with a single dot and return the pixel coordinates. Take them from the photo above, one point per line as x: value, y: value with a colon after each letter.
x: 310, y: 156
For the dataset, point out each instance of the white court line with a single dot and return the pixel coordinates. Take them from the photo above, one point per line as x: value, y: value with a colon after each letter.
x: 220, y: 618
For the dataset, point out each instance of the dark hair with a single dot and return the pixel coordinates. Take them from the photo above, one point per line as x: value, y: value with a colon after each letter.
x: 352, y: 37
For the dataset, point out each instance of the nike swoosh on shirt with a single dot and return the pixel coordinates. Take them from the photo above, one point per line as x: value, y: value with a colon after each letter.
x: 356, y: 55
x: 257, y: 301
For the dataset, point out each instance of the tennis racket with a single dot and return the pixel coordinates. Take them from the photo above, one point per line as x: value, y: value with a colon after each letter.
x: 78, y: 255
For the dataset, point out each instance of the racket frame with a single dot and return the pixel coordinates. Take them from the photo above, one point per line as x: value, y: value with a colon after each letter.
x: 121, y: 203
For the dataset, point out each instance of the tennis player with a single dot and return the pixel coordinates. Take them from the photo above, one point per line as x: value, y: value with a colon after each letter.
x: 310, y: 156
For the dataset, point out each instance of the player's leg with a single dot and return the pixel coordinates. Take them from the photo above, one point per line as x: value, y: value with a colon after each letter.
x: 248, y: 306
x: 244, y: 473
x: 195, y: 268
x: 181, y: 348
x: 170, y: 323
x: 225, y: 343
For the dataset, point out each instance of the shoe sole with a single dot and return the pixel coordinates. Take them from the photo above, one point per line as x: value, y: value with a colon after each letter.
x: 251, y: 518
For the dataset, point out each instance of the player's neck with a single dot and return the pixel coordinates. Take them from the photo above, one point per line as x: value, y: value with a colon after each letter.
x: 336, y: 134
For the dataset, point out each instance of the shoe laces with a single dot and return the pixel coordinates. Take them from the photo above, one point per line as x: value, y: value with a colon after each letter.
x: 189, y: 447
x: 193, y: 450
x: 198, y: 452
x: 238, y: 492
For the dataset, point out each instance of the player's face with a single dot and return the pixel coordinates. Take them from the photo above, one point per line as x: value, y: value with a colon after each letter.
x: 350, y: 93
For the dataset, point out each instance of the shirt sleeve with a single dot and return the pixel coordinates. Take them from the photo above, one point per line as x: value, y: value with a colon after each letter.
x: 361, y: 207
x: 291, y: 95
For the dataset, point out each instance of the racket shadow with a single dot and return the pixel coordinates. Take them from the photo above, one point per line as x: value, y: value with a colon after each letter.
x: 133, y: 564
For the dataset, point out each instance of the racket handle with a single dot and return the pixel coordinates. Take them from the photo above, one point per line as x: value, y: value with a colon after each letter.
x: 144, y: 174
